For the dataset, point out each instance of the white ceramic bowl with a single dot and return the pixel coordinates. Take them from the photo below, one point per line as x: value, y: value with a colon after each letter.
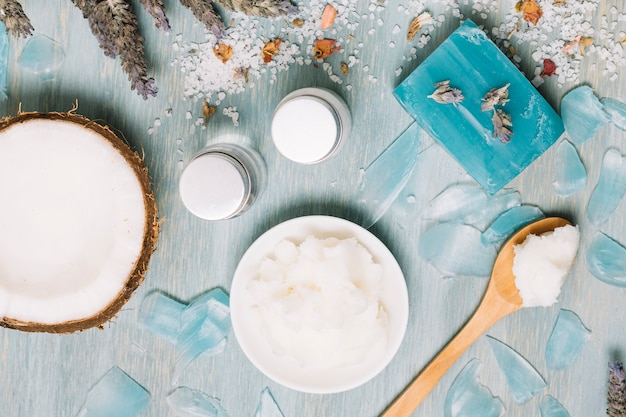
x: 286, y: 370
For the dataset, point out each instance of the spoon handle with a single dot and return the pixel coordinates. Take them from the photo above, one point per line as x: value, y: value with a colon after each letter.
x: 490, y: 311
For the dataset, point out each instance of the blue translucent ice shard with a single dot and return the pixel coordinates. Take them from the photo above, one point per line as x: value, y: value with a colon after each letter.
x: 475, y: 65
x: 468, y: 398
x: 187, y: 402
x: 616, y: 110
x: 470, y: 205
x: 606, y: 260
x: 161, y: 315
x: 385, y: 178
x: 115, y: 395
x: 267, y: 406
x: 509, y: 222
x: 571, y: 175
x: 523, y: 380
x: 205, y: 325
x: 455, y: 249
x: 42, y: 56
x: 566, y: 341
x: 4, y: 59
x: 583, y: 114
x: 550, y: 407
x: 609, y: 190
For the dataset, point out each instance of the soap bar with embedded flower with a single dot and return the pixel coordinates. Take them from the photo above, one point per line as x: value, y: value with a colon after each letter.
x: 470, y: 97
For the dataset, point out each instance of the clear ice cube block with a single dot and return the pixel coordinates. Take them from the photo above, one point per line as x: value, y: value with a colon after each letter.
x: 475, y: 65
x: 467, y: 397
x: 616, y: 110
x: 609, y: 190
x: 550, y: 407
x: 571, y: 175
x: 583, y: 114
x: 187, y: 402
x: 606, y: 260
x: 567, y: 340
x: 161, y: 315
x: 509, y: 222
x: 42, y: 56
x: 4, y: 60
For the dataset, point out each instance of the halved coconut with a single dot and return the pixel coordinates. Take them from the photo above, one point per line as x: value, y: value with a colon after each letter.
x: 78, y: 222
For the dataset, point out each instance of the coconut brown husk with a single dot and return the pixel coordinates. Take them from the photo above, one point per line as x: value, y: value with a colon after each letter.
x: 151, y: 227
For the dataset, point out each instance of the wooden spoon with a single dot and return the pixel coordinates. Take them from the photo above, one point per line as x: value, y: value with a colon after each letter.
x: 501, y: 298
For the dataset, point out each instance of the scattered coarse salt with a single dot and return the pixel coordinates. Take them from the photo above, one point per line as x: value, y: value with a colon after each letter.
x: 541, y: 263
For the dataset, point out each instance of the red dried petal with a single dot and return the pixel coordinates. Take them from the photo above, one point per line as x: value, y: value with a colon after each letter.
x: 548, y: 68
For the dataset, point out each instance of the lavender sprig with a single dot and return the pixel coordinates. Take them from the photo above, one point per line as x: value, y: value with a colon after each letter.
x: 501, y: 124
x: 616, y: 396
x: 260, y: 8
x: 204, y: 12
x: 115, y: 26
x: 444, y: 94
x: 14, y: 19
x: 156, y: 8
x: 495, y: 96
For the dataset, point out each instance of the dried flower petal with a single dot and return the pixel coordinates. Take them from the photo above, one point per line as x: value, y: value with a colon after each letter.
x: 240, y: 73
x: 548, y: 68
x: 297, y: 22
x: 324, y: 48
x: 417, y: 23
x: 531, y: 11
x: 560, y: 1
x: 344, y: 68
x: 501, y: 123
x: 616, y: 395
x: 495, y: 96
x: 270, y: 49
x: 223, y: 52
x: 207, y: 110
x: 444, y: 94
x: 584, y: 43
x: 328, y: 17
x: 571, y: 44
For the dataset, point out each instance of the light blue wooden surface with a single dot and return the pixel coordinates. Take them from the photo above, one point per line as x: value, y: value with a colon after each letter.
x: 49, y: 375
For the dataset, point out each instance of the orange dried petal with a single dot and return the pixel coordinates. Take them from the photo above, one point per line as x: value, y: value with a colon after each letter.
x: 532, y: 12
x: 328, y: 17
x: 344, y: 68
x: 223, y: 52
x: 297, y: 22
x: 270, y: 49
x: 584, y: 43
x: 324, y: 48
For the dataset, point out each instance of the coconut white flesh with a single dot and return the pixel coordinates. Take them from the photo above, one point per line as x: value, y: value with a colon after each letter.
x: 72, y: 222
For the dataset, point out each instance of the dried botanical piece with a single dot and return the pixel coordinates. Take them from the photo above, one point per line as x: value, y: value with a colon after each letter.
x: 115, y: 26
x: 325, y: 47
x: 531, y: 11
x: 270, y: 49
x: 501, y: 124
x: 560, y: 1
x: 260, y: 8
x: 417, y: 23
x: 297, y: 22
x: 14, y: 19
x: 623, y: 40
x: 223, y: 52
x: 616, y: 395
x: 344, y: 68
x: 205, y: 13
x: 495, y: 96
x: 240, y: 73
x: 156, y: 8
x: 328, y: 17
x: 444, y: 94
x: 207, y: 110
x: 583, y: 44
x: 549, y: 67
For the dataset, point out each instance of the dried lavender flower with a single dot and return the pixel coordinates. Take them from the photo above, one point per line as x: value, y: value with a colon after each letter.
x: 115, y: 26
x: 616, y: 396
x: 156, y: 8
x: 204, y: 12
x: 14, y: 19
x: 501, y: 123
x: 260, y: 8
x: 444, y: 94
x: 495, y: 96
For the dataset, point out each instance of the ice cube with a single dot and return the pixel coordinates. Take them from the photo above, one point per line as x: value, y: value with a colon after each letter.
x: 571, y: 175
x: 161, y: 315
x: 267, y: 406
x: 609, y: 190
x: 583, y: 114
x: 4, y: 59
x: 42, y: 56
x: 467, y: 397
x: 522, y: 378
x: 455, y: 249
x: 606, y: 260
x: 550, y: 407
x: 187, y: 402
x: 115, y: 395
x: 617, y: 110
x: 567, y: 340
x: 509, y: 222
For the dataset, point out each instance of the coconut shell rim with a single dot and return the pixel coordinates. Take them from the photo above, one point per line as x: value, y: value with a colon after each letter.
x: 150, y: 236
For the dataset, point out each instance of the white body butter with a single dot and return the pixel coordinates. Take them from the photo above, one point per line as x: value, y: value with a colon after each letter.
x: 319, y: 302
x: 541, y: 263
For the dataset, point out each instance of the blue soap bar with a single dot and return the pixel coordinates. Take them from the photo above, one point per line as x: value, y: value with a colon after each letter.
x: 475, y: 65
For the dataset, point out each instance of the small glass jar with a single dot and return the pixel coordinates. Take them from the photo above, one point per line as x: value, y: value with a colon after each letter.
x: 310, y: 125
x: 222, y: 181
